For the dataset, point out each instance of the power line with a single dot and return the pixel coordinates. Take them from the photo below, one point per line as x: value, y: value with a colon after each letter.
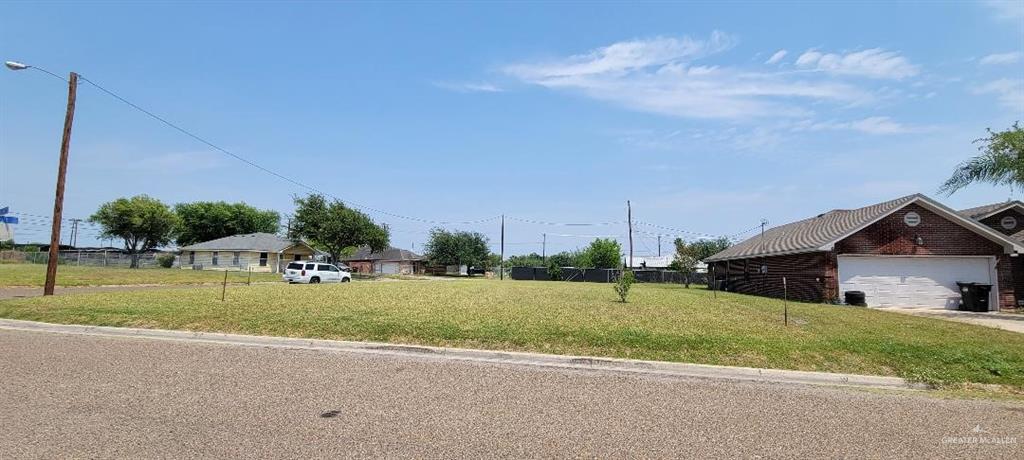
x: 274, y: 173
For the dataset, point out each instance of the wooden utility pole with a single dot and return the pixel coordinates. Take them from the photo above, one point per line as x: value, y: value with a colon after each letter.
x: 74, y: 232
x: 502, y: 264
x: 659, y: 245
x: 58, y: 201
x: 544, y: 248
x: 629, y: 218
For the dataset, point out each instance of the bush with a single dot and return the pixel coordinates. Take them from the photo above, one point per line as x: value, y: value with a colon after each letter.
x: 555, y: 271
x: 165, y: 260
x: 623, y: 284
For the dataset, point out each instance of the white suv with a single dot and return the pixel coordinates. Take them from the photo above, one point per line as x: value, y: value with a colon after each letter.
x: 314, y: 272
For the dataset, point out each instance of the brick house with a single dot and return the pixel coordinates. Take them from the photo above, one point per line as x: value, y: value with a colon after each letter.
x: 389, y: 261
x: 907, y: 252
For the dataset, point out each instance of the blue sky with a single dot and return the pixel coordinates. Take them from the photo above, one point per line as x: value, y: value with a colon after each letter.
x: 707, y: 116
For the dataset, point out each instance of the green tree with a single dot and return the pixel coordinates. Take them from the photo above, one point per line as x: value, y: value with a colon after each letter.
x: 689, y: 254
x: 604, y: 253
x: 623, y: 284
x: 568, y: 259
x: 530, y: 260
x: 143, y: 223
x: 208, y: 220
x: 457, y: 248
x: 1001, y: 162
x: 333, y: 227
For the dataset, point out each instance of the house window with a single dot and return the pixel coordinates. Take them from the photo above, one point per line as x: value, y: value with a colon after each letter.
x: 235, y: 257
x: 263, y: 259
x: 191, y: 257
x: 214, y: 261
x: 298, y: 257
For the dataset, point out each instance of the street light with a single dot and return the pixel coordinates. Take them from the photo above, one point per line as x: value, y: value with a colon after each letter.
x: 62, y: 169
x: 13, y: 65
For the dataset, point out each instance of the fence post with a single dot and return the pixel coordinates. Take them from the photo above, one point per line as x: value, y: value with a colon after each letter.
x: 785, y: 302
x: 248, y: 282
x: 224, y: 289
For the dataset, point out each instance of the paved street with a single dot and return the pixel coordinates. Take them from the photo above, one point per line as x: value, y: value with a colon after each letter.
x: 89, y: 396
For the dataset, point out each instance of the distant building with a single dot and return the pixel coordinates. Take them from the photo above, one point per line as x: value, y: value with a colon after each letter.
x: 261, y: 252
x: 389, y: 261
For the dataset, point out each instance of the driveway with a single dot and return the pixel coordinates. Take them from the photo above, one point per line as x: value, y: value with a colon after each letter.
x: 1007, y: 321
x: 103, y: 396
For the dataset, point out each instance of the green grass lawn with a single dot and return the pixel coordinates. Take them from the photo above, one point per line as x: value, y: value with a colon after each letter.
x: 72, y: 275
x: 661, y: 322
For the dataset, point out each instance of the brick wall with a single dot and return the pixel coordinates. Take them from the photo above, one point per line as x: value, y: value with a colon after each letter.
x: 806, y: 276
x: 941, y: 237
x: 813, y: 276
x: 995, y: 221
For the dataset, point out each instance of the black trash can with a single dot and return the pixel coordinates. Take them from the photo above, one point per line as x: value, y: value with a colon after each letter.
x: 974, y: 296
x: 855, y: 298
x: 981, y: 295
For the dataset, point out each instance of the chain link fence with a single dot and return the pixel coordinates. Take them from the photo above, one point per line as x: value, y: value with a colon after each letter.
x: 115, y: 259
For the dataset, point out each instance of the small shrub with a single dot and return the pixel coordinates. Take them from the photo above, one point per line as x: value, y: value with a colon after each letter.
x: 623, y: 284
x: 555, y: 271
x: 165, y: 260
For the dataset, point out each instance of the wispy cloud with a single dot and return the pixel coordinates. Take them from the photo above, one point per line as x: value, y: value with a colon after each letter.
x: 776, y: 57
x: 469, y: 87
x: 1001, y: 58
x: 659, y: 76
x: 1009, y: 92
x: 1007, y: 9
x: 869, y: 125
x: 871, y: 63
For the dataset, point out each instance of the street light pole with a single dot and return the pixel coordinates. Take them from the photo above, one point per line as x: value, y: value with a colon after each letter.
x: 62, y: 169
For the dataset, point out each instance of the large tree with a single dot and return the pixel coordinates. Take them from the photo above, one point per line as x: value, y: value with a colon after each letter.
x: 457, y: 248
x: 1001, y: 162
x: 209, y: 220
x: 142, y: 222
x: 333, y: 227
x: 689, y: 254
x: 603, y: 253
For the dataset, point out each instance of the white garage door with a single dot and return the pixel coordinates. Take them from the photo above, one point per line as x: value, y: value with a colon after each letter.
x: 388, y: 268
x: 912, y: 281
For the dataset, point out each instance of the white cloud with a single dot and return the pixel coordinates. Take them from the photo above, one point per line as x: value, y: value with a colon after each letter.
x: 869, y: 125
x: 872, y: 63
x: 469, y: 87
x: 624, y: 56
x: 658, y: 75
x: 1009, y: 92
x: 1001, y: 58
x: 776, y: 57
x: 1007, y: 9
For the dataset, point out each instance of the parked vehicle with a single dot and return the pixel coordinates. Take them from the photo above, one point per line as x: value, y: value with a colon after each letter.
x: 314, y: 272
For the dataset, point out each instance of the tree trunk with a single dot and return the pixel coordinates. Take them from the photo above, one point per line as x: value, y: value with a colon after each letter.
x: 135, y: 260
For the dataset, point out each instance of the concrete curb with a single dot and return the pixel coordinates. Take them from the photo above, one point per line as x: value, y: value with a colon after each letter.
x: 658, y: 368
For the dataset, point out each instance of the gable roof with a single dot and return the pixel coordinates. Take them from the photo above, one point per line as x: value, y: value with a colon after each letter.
x: 389, y: 254
x: 981, y: 212
x: 822, y: 232
x: 263, y: 242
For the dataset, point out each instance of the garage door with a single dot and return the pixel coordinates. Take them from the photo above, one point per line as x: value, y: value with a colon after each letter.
x: 926, y: 282
x: 388, y: 268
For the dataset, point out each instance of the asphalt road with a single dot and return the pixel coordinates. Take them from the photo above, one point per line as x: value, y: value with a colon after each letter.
x: 88, y: 396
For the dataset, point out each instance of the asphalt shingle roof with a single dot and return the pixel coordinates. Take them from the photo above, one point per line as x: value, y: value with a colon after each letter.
x: 268, y: 242
x: 979, y: 211
x: 810, y: 234
x: 389, y: 254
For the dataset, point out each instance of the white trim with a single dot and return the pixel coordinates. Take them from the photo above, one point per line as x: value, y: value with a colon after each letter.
x: 770, y: 254
x: 1009, y: 246
x: 993, y: 272
x: 1007, y: 206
